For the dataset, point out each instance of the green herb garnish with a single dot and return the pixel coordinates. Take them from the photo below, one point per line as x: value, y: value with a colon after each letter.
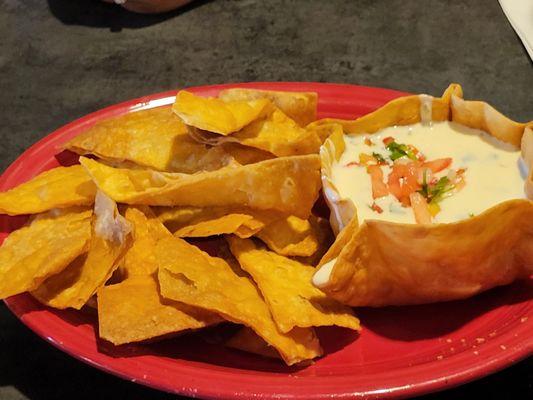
x: 379, y: 158
x: 399, y: 150
x: 434, y: 193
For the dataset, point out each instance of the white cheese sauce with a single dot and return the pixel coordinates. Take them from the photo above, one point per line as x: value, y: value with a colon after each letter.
x: 493, y: 170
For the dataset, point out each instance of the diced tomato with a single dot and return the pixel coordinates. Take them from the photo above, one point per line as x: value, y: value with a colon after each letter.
x: 379, y: 189
x: 388, y: 139
x: 438, y: 164
x: 376, y: 208
x: 403, y: 181
x: 420, y: 208
x: 368, y: 142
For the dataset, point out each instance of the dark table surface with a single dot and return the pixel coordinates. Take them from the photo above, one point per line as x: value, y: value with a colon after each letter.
x: 61, y: 59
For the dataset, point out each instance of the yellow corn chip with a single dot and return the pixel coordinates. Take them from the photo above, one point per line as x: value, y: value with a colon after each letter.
x: 300, y: 106
x: 276, y: 134
x: 154, y: 138
x: 326, y: 130
x: 44, y: 247
x: 133, y: 311
x: 288, y: 184
x: 243, y: 154
x: 188, y: 275
x: 214, y: 115
x: 325, y: 238
x: 290, y: 236
x: 56, y: 188
x: 75, y: 285
x: 147, y: 230
x: 209, y: 221
x: 286, y: 287
x: 247, y: 340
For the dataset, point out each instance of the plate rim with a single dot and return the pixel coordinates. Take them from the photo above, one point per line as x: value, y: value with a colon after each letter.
x: 477, y: 370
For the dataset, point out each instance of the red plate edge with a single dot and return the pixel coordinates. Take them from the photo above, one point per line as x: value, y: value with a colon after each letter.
x: 519, y: 341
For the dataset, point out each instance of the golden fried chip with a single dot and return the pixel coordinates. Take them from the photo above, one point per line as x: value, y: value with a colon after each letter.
x: 244, y: 154
x: 247, y: 340
x: 133, y: 311
x: 326, y: 130
x: 43, y: 248
x: 214, y: 115
x: 56, y: 188
x: 325, y: 238
x: 154, y: 138
x: 147, y: 230
x: 75, y: 285
x: 288, y: 184
x: 300, y: 106
x: 286, y: 287
x: 290, y: 236
x: 209, y: 221
x: 276, y: 134
x: 188, y: 275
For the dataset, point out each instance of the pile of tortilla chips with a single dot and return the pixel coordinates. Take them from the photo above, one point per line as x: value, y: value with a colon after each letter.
x: 119, y: 228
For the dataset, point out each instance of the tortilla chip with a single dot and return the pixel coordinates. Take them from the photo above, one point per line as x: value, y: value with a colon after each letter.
x: 326, y: 130
x: 245, y: 155
x: 154, y: 138
x: 209, y: 221
x: 276, y: 134
x: 147, y: 230
x: 249, y: 341
x: 290, y: 236
x: 300, y: 106
x: 75, y: 285
x: 287, y: 289
x: 189, y: 275
x: 325, y: 238
x: 56, y: 188
x: 214, y: 115
x: 289, y: 185
x: 133, y: 311
x: 43, y: 248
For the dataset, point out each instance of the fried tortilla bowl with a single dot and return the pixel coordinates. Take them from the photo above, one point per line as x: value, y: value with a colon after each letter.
x: 379, y: 263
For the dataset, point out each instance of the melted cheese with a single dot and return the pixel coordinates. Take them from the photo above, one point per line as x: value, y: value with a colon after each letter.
x: 493, y: 170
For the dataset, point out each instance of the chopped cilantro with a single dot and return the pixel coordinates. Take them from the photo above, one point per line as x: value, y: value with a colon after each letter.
x: 399, y: 150
x: 378, y: 157
x: 434, y: 193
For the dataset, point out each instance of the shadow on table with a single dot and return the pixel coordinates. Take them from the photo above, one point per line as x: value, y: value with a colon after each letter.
x: 95, y: 13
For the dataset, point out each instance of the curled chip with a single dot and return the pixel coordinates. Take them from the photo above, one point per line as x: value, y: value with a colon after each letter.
x: 288, y: 184
x: 214, y: 115
x: 43, y: 248
x: 286, y: 287
x: 325, y: 237
x: 300, y: 106
x: 247, y: 340
x: 209, y: 221
x: 75, y: 285
x: 133, y: 311
x: 188, y: 275
x: 154, y: 138
x: 290, y: 236
x: 147, y: 230
x: 56, y: 188
x: 276, y: 134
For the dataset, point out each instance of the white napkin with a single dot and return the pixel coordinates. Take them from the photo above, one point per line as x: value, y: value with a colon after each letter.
x: 520, y: 15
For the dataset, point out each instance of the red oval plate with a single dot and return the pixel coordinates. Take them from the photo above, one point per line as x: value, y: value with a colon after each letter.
x: 402, y: 351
